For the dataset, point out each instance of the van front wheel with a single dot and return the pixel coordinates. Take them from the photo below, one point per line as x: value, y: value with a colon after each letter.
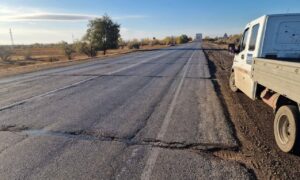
x: 286, y: 128
x: 232, y: 83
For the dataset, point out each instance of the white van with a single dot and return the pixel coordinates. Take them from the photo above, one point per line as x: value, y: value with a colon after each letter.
x: 267, y: 66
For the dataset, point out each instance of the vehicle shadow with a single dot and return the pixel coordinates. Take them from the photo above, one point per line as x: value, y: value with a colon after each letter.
x: 190, y: 49
x: 214, y: 49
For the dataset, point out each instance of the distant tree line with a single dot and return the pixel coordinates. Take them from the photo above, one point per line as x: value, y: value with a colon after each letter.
x: 169, y: 40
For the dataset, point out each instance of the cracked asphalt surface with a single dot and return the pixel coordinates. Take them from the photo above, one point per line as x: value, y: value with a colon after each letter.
x: 146, y: 115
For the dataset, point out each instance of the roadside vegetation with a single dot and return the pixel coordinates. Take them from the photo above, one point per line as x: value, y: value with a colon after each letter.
x: 167, y: 41
x: 102, y: 39
x: 68, y: 49
x: 102, y: 34
x: 5, y: 54
x: 225, y: 40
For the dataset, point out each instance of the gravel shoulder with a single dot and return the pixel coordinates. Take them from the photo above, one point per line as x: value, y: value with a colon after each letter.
x: 253, y: 124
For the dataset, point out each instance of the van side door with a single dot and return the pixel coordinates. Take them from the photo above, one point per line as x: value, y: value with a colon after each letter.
x: 243, y: 76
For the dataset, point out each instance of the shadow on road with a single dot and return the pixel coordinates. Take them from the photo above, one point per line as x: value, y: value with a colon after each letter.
x: 213, y: 70
x: 190, y: 49
x: 183, y: 49
x: 214, y: 49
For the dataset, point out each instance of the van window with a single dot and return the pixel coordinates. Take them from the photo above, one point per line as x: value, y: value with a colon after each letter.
x: 253, y: 38
x: 245, y: 38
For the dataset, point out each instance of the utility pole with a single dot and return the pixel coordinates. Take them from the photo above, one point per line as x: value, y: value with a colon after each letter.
x: 11, y: 38
x: 73, y: 39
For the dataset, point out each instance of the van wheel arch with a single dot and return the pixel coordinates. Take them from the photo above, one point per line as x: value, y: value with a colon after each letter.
x: 232, y: 85
x: 282, y: 101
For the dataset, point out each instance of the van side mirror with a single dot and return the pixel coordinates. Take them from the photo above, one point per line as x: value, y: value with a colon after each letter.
x: 233, y: 49
x: 237, y: 49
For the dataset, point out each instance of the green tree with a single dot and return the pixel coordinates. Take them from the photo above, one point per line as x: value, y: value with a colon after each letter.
x: 169, y: 40
x: 103, y: 34
x: 183, y: 39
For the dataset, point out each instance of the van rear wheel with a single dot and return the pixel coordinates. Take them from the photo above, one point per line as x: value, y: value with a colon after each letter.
x: 286, y: 127
x: 232, y: 83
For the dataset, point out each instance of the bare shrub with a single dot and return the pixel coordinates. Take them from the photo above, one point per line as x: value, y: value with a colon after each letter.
x: 134, y: 45
x: 68, y: 50
x: 53, y: 59
x: 85, y: 48
x: 145, y: 42
x: 28, y: 55
x: 121, y: 43
x: 5, y: 54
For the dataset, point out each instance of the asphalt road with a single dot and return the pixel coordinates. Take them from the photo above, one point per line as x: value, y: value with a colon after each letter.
x: 145, y: 115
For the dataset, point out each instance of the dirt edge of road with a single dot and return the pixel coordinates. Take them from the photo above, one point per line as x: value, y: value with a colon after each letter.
x: 252, y: 122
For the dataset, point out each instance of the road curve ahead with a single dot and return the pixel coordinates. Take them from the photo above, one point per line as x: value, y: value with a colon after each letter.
x: 145, y: 115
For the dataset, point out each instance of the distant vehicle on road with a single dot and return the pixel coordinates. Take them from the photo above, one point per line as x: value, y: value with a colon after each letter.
x: 267, y: 66
x: 198, y: 37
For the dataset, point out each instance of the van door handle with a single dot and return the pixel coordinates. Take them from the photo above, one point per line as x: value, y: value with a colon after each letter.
x: 243, y: 56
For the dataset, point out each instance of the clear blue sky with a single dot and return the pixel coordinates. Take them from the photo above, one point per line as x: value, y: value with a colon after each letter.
x: 52, y: 21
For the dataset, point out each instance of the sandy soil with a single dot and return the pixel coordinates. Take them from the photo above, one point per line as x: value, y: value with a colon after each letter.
x: 253, y: 123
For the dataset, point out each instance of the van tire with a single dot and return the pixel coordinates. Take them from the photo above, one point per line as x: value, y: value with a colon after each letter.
x: 286, y: 129
x: 232, y: 83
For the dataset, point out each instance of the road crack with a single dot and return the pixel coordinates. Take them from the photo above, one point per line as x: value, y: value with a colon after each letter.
x: 221, y: 151
x: 13, y: 128
x: 95, y: 136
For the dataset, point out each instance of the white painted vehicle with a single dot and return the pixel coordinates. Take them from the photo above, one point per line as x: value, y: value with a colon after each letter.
x: 267, y: 66
x: 199, y: 37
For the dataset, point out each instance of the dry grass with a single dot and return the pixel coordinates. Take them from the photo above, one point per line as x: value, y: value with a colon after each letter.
x: 44, y: 58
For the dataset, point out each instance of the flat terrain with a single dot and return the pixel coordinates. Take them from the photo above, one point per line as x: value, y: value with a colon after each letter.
x: 144, y: 115
x: 25, y: 59
x: 253, y: 123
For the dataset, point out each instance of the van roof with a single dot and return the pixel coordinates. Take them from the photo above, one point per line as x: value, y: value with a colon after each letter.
x: 286, y: 14
x: 276, y: 15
